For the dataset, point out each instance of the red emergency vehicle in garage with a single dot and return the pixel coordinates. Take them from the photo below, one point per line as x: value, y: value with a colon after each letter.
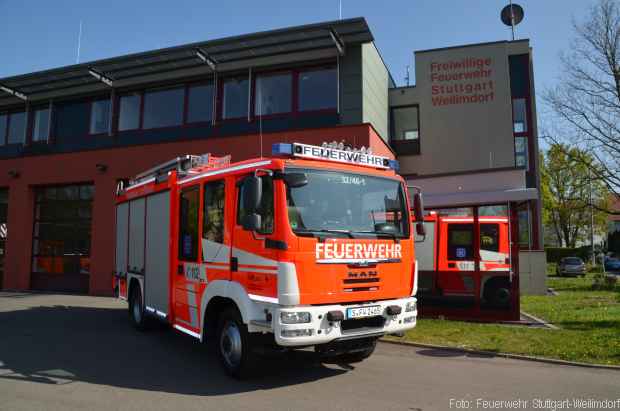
x: 449, y: 258
x: 311, y: 247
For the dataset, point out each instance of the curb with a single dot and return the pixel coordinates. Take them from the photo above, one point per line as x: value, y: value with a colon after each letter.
x: 540, y: 321
x: 503, y: 355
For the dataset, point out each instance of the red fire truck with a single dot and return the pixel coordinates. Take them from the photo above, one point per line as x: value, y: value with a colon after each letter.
x: 311, y: 247
x: 447, y: 260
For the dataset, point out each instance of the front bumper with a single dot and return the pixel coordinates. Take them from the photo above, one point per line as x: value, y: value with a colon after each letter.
x: 324, y: 331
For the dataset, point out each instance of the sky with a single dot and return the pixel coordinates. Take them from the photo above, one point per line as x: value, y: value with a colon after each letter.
x: 37, y: 35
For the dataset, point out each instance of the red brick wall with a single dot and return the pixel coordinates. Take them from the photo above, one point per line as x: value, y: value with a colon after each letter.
x: 123, y: 163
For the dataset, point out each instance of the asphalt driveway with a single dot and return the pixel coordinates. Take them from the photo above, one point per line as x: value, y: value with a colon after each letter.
x: 76, y: 352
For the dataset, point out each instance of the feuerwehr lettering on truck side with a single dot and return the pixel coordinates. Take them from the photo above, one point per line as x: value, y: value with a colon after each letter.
x: 345, y: 252
x: 340, y: 155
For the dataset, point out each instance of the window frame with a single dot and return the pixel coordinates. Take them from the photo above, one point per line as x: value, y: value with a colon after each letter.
x: 181, y: 86
x: 298, y: 71
x: 220, y: 98
x: 214, y: 94
x: 197, y: 257
x: 273, y: 73
x: 4, y: 136
x: 30, y: 133
x: 140, y: 94
x: 206, y: 184
x: 405, y: 147
x: 110, y: 114
x: 9, y: 115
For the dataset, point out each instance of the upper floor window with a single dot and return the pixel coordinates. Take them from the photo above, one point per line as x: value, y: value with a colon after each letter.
x: 4, y: 120
x: 273, y: 94
x: 519, y: 115
x: 99, y: 116
x: 129, y: 112
x: 318, y: 89
x: 41, y: 125
x: 200, y: 103
x: 17, y: 128
x: 235, y: 98
x: 163, y: 108
x: 405, y: 123
x: 521, y: 154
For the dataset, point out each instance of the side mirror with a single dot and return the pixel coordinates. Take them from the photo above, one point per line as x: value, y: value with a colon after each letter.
x: 418, y: 207
x: 386, y: 228
x: 295, y: 180
x: 251, y: 222
x: 420, y: 229
x: 252, y: 193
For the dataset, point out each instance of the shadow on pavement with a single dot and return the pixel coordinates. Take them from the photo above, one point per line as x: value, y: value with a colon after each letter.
x: 437, y: 352
x: 62, y: 344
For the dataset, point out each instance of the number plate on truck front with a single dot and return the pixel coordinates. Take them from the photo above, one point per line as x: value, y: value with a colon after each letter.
x: 361, y: 312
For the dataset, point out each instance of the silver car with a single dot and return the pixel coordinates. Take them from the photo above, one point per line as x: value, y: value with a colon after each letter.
x: 571, y: 266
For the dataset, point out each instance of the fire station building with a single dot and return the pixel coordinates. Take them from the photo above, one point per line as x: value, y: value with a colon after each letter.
x: 465, y: 133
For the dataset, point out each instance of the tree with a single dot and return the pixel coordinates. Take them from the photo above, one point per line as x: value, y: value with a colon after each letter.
x: 587, y: 99
x: 566, y: 188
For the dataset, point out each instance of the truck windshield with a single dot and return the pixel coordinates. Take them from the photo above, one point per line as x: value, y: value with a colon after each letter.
x: 349, y: 204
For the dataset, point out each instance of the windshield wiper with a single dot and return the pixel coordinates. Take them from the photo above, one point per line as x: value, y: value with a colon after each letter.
x: 323, y: 230
x: 379, y: 233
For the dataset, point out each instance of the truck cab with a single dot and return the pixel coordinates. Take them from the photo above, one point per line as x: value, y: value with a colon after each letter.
x: 311, y: 247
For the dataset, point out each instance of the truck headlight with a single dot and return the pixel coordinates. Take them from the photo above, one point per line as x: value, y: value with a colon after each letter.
x: 411, y: 306
x: 294, y: 317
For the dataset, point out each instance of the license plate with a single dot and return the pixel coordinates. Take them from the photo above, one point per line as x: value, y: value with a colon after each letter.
x: 361, y: 312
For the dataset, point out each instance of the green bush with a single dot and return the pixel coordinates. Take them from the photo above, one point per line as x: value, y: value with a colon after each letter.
x: 555, y: 254
x: 604, y: 281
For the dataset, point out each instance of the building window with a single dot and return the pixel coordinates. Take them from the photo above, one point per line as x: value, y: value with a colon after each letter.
x: 318, y: 89
x: 405, y: 123
x: 17, y: 128
x: 4, y: 121
x: 188, y: 224
x: 200, y: 103
x: 62, y: 230
x: 236, y: 97
x: 99, y: 116
x: 273, y: 94
x: 519, y: 115
x: 41, y: 126
x: 265, y: 208
x: 521, y: 157
x: 524, y: 228
x: 129, y: 112
x: 163, y: 108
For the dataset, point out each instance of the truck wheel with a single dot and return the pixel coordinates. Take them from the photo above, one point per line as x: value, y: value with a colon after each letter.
x: 497, y: 294
x: 136, y: 309
x: 357, y: 356
x: 234, y: 345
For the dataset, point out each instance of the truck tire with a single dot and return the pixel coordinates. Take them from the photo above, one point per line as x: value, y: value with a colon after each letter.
x: 234, y: 345
x: 136, y: 309
x: 358, y: 356
x: 497, y: 294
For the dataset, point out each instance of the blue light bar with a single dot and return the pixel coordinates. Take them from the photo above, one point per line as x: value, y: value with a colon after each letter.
x: 280, y: 149
x: 394, y: 165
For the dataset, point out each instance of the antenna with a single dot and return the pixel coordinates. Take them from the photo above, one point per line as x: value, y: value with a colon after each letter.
x: 511, y: 15
x: 407, y: 76
x: 339, y: 9
x: 77, y: 60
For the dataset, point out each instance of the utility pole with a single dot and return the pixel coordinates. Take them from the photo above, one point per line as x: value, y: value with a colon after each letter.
x: 512, y: 21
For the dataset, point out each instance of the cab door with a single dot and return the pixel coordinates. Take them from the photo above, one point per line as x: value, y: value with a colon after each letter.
x: 457, y: 258
x: 190, y: 273
x: 255, y: 254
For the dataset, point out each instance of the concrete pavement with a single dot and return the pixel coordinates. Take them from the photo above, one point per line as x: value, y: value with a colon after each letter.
x: 71, y: 352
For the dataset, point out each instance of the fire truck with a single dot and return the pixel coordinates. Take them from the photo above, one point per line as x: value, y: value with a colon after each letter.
x: 312, y: 246
x: 447, y: 253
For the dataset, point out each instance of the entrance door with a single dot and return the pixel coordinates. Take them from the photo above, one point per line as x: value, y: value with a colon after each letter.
x: 61, y: 238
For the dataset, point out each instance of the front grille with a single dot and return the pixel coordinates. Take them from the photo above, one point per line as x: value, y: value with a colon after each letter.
x: 362, y: 324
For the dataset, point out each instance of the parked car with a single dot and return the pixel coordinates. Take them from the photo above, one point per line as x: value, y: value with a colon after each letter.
x: 571, y: 266
x: 612, y: 264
